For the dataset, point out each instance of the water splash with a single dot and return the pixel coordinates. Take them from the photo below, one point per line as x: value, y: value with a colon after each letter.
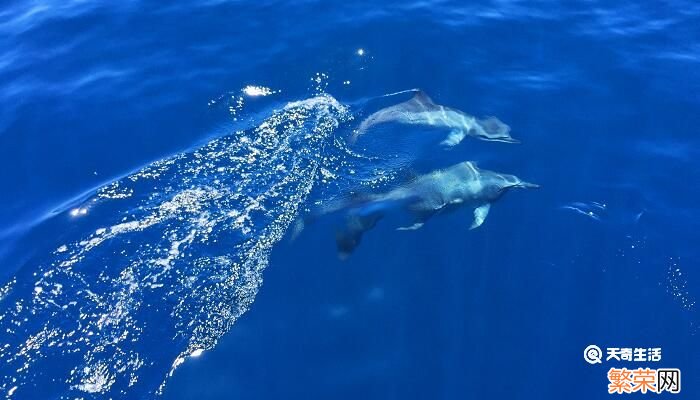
x: 235, y: 101
x: 174, y: 257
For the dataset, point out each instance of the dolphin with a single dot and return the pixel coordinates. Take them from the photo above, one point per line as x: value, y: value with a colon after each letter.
x: 421, y: 110
x: 461, y: 185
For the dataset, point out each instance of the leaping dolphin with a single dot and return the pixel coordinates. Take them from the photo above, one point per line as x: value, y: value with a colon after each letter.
x: 461, y: 185
x: 421, y: 110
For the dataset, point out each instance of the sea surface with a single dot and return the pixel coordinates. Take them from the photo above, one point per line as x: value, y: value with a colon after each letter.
x: 162, y: 168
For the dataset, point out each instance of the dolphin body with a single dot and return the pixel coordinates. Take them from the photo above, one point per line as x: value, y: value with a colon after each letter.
x: 461, y: 185
x: 420, y: 110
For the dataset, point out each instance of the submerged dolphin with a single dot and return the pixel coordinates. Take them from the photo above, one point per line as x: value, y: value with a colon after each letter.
x: 421, y: 110
x: 461, y: 185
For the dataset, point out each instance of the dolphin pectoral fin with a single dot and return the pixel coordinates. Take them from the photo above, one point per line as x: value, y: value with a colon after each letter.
x: 454, y: 138
x: 413, y: 227
x: 480, y: 214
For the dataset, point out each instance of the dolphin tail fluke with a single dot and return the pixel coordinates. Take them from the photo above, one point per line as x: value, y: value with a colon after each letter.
x: 358, y: 201
x: 365, y: 125
x: 358, y: 132
x: 348, y: 238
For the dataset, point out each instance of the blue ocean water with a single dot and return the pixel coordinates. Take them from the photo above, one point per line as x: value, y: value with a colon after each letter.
x: 155, y: 160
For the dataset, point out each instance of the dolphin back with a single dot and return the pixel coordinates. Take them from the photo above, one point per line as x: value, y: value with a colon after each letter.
x: 401, y: 112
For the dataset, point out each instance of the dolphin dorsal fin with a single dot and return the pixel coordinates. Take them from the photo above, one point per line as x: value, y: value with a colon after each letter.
x: 472, y: 166
x: 423, y: 99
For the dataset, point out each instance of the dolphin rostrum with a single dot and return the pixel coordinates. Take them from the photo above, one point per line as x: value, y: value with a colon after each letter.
x: 420, y: 110
x: 461, y: 185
